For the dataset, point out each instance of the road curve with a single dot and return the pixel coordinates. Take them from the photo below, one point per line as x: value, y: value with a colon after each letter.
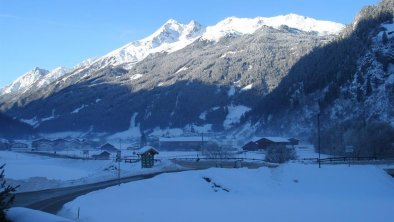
x: 52, y: 200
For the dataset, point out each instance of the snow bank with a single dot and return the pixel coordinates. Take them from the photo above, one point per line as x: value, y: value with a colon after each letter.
x: 20, y: 214
x: 291, y: 192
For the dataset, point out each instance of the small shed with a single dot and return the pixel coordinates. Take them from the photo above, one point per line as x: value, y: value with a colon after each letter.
x: 102, y: 156
x: 147, y: 155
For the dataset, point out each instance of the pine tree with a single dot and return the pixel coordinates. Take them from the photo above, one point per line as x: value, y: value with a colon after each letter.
x: 6, y: 195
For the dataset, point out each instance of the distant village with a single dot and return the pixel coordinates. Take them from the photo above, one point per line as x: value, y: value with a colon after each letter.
x: 104, y: 150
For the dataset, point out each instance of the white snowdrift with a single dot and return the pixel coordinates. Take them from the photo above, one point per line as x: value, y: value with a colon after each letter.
x: 292, y: 192
x: 20, y: 214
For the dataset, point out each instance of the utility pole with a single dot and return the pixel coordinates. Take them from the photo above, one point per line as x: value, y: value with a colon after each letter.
x: 202, y: 143
x: 119, y: 154
x: 318, y: 135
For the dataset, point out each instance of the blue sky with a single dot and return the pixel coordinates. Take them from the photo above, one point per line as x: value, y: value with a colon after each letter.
x: 52, y: 33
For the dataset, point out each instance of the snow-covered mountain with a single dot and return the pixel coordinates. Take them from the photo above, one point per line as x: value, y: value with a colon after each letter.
x: 173, y: 36
x: 349, y: 82
x: 170, y: 37
x: 241, y: 26
x: 24, y: 82
x: 154, y: 81
x: 165, y: 90
x: 36, y: 77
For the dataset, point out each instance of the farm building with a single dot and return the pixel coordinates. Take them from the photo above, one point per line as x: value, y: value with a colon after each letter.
x: 147, y: 155
x: 266, y: 142
x: 183, y: 143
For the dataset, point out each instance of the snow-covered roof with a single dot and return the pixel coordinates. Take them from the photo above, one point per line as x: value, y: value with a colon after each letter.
x: 277, y: 139
x: 184, y: 139
x: 146, y: 149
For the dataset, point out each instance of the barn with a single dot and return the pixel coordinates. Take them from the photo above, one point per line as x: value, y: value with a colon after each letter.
x: 266, y: 142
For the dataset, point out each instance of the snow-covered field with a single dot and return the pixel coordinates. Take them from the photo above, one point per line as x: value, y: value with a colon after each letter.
x: 35, y: 172
x: 291, y: 192
x: 22, y: 166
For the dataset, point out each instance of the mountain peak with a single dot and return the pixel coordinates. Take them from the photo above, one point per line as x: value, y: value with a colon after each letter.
x: 37, y: 70
x: 25, y: 81
x: 171, y: 22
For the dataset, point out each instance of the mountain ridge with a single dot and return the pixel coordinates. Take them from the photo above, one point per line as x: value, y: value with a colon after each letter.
x: 173, y: 36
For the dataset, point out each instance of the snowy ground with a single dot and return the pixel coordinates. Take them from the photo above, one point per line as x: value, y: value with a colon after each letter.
x: 20, y: 214
x: 291, y: 192
x: 35, y: 172
x: 308, y: 151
